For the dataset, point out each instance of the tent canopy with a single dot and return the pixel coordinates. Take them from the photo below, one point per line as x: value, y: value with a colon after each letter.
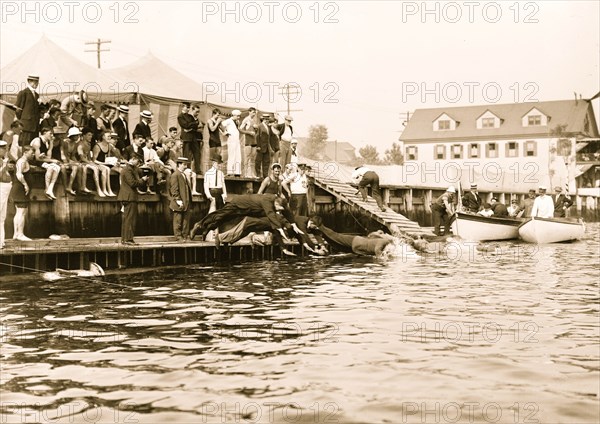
x: 150, y: 76
x: 60, y: 73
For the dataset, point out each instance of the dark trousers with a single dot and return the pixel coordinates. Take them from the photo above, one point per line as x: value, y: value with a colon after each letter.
x: 299, y: 204
x: 218, y: 217
x: 341, y: 240
x: 262, y: 163
x: 255, y: 225
x: 191, y: 150
x: 181, y: 223
x: 129, y: 219
x: 371, y: 179
x: 440, y: 217
x: 217, y: 193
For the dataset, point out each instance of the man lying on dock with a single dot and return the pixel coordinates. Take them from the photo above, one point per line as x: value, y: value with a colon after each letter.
x: 251, y: 205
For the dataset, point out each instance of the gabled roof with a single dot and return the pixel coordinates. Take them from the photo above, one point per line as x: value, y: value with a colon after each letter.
x: 571, y: 113
x: 536, y: 108
x: 58, y: 70
x: 153, y: 76
x: 345, y: 151
x: 486, y: 111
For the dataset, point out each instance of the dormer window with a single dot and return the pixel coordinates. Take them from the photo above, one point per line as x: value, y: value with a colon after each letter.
x: 487, y: 122
x: 444, y: 122
x: 535, y: 118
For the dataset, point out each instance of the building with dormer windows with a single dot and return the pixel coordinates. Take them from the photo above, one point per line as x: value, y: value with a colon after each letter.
x: 531, y: 143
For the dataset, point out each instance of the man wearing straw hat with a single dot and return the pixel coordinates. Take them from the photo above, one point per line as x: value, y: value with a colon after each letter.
x: 143, y: 127
x: 121, y: 127
x: 28, y: 110
x: 180, y: 194
x: 471, y: 200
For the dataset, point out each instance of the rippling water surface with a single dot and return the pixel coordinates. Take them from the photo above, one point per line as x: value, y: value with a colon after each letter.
x: 509, y: 335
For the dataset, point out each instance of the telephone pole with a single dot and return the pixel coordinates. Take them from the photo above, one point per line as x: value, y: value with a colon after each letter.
x: 98, y: 49
x: 286, y: 90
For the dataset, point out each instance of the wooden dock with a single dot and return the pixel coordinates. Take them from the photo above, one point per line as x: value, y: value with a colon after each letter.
x: 42, y: 255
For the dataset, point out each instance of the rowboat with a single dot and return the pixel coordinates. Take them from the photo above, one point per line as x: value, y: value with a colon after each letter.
x: 480, y: 228
x: 551, y: 230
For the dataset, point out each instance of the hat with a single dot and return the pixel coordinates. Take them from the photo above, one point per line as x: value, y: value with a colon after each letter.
x: 531, y: 190
x: 495, y: 198
x: 276, y: 165
x: 91, y: 103
x: 542, y: 188
x: 73, y: 131
x: 294, y: 141
x: 557, y: 188
x: 265, y: 116
x: 235, y: 112
x: 301, y: 165
x: 146, y: 114
x: 288, y: 118
x: 451, y: 189
x: 32, y: 77
x: 114, y: 135
x: 514, y: 201
x: 3, y: 143
x: 123, y: 109
x: 473, y: 185
x: 216, y: 158
x: 181, y: 159
x: 83, y: 97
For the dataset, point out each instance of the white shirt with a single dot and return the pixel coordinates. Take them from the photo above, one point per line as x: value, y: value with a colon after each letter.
x: 543, y: 207
x: 232, y: 130
x: 150, y: 155
x: 287, y: 134
x: 359, y: 173
x: 299, y: 184
x: 212, y: 180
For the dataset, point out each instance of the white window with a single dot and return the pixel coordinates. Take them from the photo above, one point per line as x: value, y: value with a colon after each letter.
x: 511, y: 149
x: 440, y: 152
x: 492, y: 150
x: 411, y: 152
x: 473, y: 150
x: 457, y: 151
x: 530, y: 148
x: 488, y: 122
x: 533, y: 120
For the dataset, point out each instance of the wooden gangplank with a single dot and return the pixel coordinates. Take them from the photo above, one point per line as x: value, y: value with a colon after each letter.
x: 393, y: 221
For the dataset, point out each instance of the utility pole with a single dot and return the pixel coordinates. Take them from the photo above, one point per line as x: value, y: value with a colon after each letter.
x: 286, y: 90
x: 98, y: 49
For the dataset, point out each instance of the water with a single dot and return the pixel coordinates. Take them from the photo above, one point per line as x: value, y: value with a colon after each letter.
x: 510, y: 335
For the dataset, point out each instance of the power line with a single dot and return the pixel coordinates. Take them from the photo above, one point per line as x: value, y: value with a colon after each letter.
x: 98, y: 44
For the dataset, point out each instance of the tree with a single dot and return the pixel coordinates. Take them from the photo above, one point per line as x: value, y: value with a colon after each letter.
x: 317, y: 139
x: 369, y: 154
x: 394, y: 155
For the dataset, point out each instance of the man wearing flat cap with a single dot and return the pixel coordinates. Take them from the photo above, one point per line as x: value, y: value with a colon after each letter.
x: 28, y: 110
x: 286, y: 134
x: 180, y: 193
x: 471, y: 200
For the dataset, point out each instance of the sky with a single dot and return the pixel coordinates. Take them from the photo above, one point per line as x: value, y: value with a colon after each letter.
x: 360, y: 66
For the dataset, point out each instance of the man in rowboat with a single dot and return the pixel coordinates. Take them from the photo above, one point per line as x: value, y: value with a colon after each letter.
x: 443, y: 210
x: 561, y: 203
x: 543, y: 205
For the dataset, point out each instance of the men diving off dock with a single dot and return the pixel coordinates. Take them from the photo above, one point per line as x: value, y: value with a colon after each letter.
x: 255, y: 205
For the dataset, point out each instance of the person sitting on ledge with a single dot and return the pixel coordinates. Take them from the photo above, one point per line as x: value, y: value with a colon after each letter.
x: 43, y: 149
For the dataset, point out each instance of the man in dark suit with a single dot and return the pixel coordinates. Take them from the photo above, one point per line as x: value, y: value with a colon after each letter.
x: 263, y: 155
x: 257, y: 205
x: 561, y: 203
x: 121, y: 127
x: 191, y: 135
x: 130, y: 182
x: 471, y: 200
x: 28, y: 110
x: 143, y: 127
x: 180, y: 194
